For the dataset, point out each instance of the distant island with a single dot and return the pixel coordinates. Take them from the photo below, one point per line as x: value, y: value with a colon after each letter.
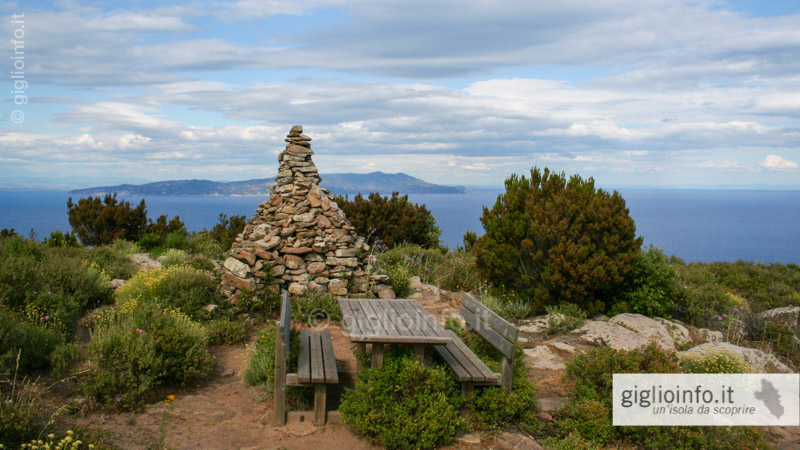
x: 337, y: 183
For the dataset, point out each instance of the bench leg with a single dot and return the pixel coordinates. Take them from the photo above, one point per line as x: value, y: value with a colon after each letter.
x: 361, y: 350
x: 467, y: 389
x: 320, y: 394
x: 419, y: 352
x: 377, y: 355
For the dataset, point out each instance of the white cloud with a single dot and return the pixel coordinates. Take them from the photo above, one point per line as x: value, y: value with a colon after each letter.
x: 775, y: 162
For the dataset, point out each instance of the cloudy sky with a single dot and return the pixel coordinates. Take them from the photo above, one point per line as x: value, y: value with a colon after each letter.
x: 633, y: 93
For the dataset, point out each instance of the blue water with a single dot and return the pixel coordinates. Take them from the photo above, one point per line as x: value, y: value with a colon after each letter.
x: 696, y: 225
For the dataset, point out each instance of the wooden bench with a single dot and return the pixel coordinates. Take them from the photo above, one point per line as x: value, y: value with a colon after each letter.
x: 469, y: 370
x: 316, y: 365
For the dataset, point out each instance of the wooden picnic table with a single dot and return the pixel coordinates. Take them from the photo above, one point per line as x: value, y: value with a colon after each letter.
x: 398, y: 321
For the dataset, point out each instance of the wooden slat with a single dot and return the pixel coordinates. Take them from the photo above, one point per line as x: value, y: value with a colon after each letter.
x: 317, y: 369
x: 403, y: 339
x: 361, y: 318
x: 348, y: 318
x: 386, y: 314
x: 408, y: 318
x: 286, y: 320
x: 476, y: 368
x: 328, y: 358
x: 375, y: 320
x: 500, y: 325
x: 304, y: 360
x: 494, y: 338
x: 460, y: 372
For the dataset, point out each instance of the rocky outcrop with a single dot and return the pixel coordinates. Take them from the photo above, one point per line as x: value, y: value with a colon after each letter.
x: 787, y: 315
x: 647, y: 328
x: 298, y: 239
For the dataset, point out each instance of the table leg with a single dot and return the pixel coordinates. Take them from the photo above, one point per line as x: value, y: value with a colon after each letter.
x: 361, y: 352
x: 419, y: 352
x: 377, y: 355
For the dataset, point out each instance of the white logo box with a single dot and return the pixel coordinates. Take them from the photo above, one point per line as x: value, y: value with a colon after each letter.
x: 706, y: 399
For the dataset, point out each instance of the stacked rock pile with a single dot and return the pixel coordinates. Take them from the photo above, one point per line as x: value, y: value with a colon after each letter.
x: 299, y: 238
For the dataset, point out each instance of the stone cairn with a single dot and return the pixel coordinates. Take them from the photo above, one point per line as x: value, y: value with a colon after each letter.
x: 299, y: 236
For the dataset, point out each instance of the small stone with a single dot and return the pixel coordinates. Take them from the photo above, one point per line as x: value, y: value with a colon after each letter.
x: 210, y: 308
x: 236, y: 267
x: 316, y: 267
x: 294, y: 262
x: 471, y: 438
x: 228, y: 373
x: 296, y: 250
x: 114, y: 284
x: 297, y: 289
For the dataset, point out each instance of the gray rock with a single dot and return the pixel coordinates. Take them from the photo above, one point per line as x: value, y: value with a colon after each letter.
x: 611, y: 334
x: 646, y: 327
x: 516, y: 441
x: 471, y: 439
x: 115, y: 283
x: 210, y: 308
x: 705, y: 335
x: 387, y: 293
x: 679, y: 333
x: 787, y: 315
x: 542, y: 357
x: 237, y: 267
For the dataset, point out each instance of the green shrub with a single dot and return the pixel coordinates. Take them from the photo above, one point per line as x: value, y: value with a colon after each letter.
x: 592, y: 372
x: 556, y: 240
x: 404, y: 404
x: 182, y: 287
x: 572, y: 441
x: 703, y: 300
x: 718, y: 362
x: 316, y: 308
x: 20, y: 421
x: 393, y: 220
x: 225, y: 332
x: 451, y: 270
x: 764, y: 285
x: 101, y: 221
x: 113, y: 260
x: 225, y: 231
x: 564, y: 318
x: 652, y: 285
x: 32, y: 341
x: 400, y: 279
x: 64, y: 357
x: 138, y: 347
x: 267, y: 302
x: 174, y: 257
x: 204, y: 245
x: 589, y: 419
x: 59, y: 239
x: 509, y: 305
x: 260, y: 368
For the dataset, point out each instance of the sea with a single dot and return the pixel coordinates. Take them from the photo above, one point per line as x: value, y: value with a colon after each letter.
x: 695, y: 225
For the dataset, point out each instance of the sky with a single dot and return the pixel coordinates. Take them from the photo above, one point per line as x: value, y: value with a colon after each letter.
x: 632, y: 93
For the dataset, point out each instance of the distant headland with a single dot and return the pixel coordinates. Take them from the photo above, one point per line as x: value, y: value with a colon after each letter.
x: 337, y: 183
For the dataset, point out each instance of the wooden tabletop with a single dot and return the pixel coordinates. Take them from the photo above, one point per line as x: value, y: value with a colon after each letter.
x: 391, y: 321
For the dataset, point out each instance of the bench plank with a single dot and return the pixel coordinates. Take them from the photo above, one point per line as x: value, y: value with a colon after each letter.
x: 352, y: 326
x: 373, y: 318
x: 497, y: 340
x: 303, y: 360
x: 329, y: 359
x: 386, y: 313
x: 317, y: 369
x: 500, y: 325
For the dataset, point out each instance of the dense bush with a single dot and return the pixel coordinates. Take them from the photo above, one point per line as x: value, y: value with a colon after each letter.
x: 182, y: 287
x: 587, y: 417
x: 33, y: 342
x: 260, y: 367
x: 174, y: 257
x: 114, y: 260
x: 452, y: 270
x: 20, y: 421
x: 765, y: 286
x: 393, y: 220
x: 137, y: 347
x: 225, y: 332
x: 100, y: 221
x: 652, y: 285
x: 226, y: 229
x: 564, y: 318
x: 719, y: 362
x: 703, y: 301
x: 556, y: 240
x: 508, y: 305
x: 404, y: 404
x: 316, y: 308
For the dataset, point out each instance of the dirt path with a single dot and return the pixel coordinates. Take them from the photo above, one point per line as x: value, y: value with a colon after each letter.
x: 224, y: 413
